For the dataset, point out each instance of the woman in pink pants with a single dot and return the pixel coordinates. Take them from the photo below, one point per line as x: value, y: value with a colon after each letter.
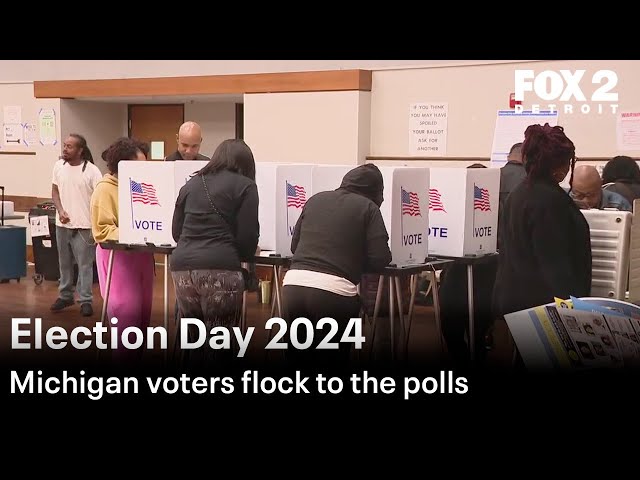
x: 131, y: 291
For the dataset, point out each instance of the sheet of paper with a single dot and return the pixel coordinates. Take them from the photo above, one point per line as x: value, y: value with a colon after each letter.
x: 12, y: 114
x: 39, y: 226
x: 628, y: 130
x: 47, y: 124
x: 157, y: 150
x: 12, y: 134
x: 428, y: 129
x: 510, y: 127
x: 30, y: 134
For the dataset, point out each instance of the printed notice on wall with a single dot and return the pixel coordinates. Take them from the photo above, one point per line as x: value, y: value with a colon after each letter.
x: 428, y: 129
x: 47, y: 124
x: 30, y: 134
x: 12, y: 134
x: 510, y: 127
x: 12, y: 114
x: 628, y: 131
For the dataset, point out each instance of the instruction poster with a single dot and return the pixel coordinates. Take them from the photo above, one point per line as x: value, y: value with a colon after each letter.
x: 47, y: 124
x: 628, y: 131
x: 428, y: 129
x: 510, y: 127
x: 30, y: 134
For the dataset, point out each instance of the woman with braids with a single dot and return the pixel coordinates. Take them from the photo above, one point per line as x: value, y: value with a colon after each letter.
x: 131, y: 290
x: 546, y: 248
x: 74, y: 179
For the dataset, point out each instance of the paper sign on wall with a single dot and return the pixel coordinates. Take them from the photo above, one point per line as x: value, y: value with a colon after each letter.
x: 30, y: 134
x: 628, y: 131
x: 12, y: 114
x: 12, y: 134
x: 47, y: 124
x: 428, y: 129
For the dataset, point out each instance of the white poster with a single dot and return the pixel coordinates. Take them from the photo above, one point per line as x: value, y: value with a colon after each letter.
x: 12, y: 134
x: 12, y: 114
x: 428, y: 129
x: 510, y: 127
x: 39, y: 226
x: 30, y: 134
x: 628, y: 131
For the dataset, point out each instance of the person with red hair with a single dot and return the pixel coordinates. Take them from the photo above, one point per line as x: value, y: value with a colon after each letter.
x: 545, y: 249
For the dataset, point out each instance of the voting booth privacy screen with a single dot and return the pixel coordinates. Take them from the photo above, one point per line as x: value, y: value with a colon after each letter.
x: 283, y: 190
x: 405, y: 211
x: 610, y: 242
x: 147, y: 193
x: 463, y: 211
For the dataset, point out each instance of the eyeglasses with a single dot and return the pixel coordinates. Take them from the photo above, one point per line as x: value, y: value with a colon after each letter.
x: 581, y: 196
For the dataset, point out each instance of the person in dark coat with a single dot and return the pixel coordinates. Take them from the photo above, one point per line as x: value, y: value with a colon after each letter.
x: 621, y: 175
x: 339, y: 236
x: 546, y: 247
x: 511, y: 175
x: 454, y: 308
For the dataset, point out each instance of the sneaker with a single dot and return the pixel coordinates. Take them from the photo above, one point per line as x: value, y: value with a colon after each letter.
x: 86, y: 309
x: 60, y: 304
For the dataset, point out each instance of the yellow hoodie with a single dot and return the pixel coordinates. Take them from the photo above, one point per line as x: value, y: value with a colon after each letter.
x: 104, y: 210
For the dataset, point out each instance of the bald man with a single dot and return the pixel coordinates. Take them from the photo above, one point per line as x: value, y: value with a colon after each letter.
x: 587, y: 192
x: 189, y: 140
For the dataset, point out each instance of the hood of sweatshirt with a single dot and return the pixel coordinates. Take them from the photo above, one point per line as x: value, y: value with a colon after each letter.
x: 365, y: 180
x: 109, y: 179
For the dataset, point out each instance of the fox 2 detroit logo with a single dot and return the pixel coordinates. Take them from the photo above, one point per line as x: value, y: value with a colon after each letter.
x: 561, y: 88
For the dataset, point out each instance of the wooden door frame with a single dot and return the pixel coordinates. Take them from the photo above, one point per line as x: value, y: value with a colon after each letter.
x: 146, y: 105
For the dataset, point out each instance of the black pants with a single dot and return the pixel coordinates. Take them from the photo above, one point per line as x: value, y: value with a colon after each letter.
x: 455, y: 310
x: 315, y: 304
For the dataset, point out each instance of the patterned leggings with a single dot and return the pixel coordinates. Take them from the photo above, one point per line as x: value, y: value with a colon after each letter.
x: 213, y: 296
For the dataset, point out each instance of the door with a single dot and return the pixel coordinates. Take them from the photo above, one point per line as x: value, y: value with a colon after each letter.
x: 156, y: 123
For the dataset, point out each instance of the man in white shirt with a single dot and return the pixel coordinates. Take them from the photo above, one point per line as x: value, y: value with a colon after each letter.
x: 74, y: 179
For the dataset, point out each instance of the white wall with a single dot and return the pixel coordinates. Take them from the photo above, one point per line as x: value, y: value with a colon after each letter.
x: 100, y: 123
x: 28, y: 175
x: 315, y: 127
x: 30, y: 70
x: 218, y: 122
x: 475, y: 93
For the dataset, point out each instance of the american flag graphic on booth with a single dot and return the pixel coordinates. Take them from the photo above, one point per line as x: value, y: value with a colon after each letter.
x: 143, y: 193
x: 435, y: 201
x: 296, y: 196
x: 410, y: 203
x: 481, y: 199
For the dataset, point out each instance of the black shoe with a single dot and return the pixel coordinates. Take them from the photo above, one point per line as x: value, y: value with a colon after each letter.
x: 61, y: 304
x: 86, y: 309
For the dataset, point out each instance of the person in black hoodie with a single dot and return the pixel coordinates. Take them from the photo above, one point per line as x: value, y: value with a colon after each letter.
x: 545, y: 250
x: 215, y: 225
x: 339, y: 236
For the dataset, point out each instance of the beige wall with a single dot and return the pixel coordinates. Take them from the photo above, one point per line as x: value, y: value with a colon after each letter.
x: 100, y: 123
x: 218, y: 122
x: 30, y: 70
x: 317, y: 127
x: 475, y: 93
x: 28, y: 174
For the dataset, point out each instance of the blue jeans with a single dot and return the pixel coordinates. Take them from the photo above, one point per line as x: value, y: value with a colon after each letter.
x: 76, y: 244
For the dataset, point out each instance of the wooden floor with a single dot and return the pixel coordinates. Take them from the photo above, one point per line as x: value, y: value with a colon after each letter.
x: 28, y: 300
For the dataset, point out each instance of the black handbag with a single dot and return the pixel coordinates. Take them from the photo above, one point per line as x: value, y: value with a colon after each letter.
x: 251, y: 282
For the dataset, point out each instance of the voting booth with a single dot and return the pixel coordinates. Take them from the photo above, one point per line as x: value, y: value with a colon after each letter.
x: 283, y: 190
x: 610, y: 241
x: 328, y: 177
x: 147, y: 193
x: 405, y: 211
x: 463, y: 211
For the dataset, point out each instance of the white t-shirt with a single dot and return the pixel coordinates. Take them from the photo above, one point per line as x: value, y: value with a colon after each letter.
x: 76, y: 187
